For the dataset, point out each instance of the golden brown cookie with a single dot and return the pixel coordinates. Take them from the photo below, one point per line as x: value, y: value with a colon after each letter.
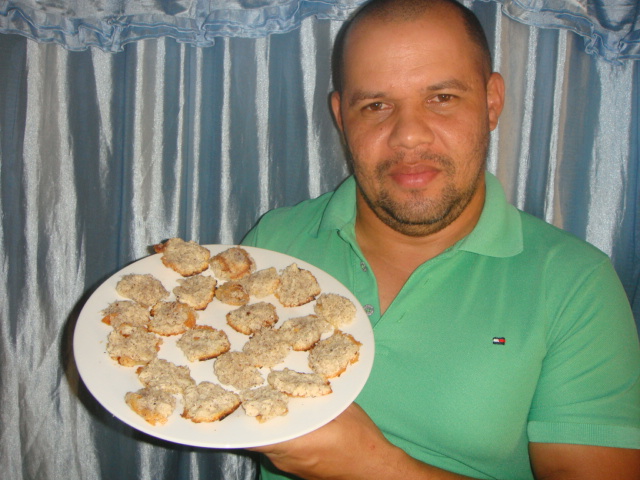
x: 186, y: 258
x: 209, y: 402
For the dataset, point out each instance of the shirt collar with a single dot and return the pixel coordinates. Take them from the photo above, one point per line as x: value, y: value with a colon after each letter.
x: 340, y: 213
x: 498, y: 232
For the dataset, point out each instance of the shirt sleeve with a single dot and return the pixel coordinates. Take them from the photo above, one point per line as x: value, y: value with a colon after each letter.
x: 589, y: 386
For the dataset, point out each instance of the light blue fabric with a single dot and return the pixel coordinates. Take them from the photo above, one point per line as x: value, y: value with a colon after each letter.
x: 611, y: 28
x: 110, y: 24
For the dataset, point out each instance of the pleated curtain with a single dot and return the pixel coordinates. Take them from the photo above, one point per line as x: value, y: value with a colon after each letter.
x: 107, y: 151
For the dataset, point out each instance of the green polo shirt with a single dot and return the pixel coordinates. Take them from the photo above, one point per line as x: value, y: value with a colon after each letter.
x: 518, y: 333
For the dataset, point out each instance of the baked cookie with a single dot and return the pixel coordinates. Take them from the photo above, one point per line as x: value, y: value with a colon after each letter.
x: 153, y: 404
x: 203, y: 342
x: 262, y: 283
x: 171, y: 318
x: 237, y: 369
x: 232, y: 264
x: 267, y: 348
x: 131, y: 346
x: 264, y: 403
x: 126, y: 312
x: 208, y: 402
x: 145, y: 289
x: 297, y: 287
x: 248, y: 319
x: 331, y: 356
x: 339, y: 311
x: 196, y: 291
x: 165, y: 375
x: 186, y: 258
x: 302, y: 333
x: 297, y: 384
x: 232, y: 293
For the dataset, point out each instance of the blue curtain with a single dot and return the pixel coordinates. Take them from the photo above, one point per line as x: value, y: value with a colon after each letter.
x: 106, y: 151
x: 610, y: 28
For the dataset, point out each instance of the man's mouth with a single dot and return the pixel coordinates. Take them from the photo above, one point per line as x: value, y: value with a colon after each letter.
x: 414, y: 177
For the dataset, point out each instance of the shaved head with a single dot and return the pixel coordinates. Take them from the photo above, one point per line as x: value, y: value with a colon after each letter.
x: 406, y: 11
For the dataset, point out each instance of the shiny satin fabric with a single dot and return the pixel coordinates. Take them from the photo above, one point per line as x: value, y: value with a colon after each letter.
x: 111, y: 24
x: 611, y: 29
x: 103, y: 155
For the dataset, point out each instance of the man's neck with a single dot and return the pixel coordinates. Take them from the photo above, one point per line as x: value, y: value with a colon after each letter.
x: 394, y: 256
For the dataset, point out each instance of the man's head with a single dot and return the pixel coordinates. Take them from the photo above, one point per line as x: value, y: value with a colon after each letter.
x: 399, y: 10
x: 415, y: 103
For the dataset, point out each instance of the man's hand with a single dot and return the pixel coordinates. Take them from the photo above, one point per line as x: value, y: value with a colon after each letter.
x: 349, y: 447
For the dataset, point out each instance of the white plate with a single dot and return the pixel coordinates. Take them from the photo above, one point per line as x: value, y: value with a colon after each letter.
x: 108, y: 381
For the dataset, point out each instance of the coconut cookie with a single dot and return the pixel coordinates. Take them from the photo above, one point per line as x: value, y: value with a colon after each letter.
x: 153, y: 404
x: 237, y: 369
x: 131, y: 346
x: 208, y: 402
x: 171, y: 318
x: 186, y: 258
x: 165, y: 375
x: 267, y: 348
x: 262, y: 283
x: 297, y: 384
x: 302, y: 333
x: 297, y: 287
x: 339, y: 311
x: 264, y: 403
x: 248, y: 319
x: 203, y: 342
x: 196, y: 291
x: 142, y: 288
x: 125, y: 312
x: 232, y: 293
x: 331, y: 356
x: 232, y: 264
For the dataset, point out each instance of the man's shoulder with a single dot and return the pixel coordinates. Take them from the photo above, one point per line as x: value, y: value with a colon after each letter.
x: 282, y: 227
x: 543, y: 239
x: 306, y: 212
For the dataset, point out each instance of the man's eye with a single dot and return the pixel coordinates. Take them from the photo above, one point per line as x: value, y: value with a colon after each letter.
x: 442, y: 98
x: 375, y: 106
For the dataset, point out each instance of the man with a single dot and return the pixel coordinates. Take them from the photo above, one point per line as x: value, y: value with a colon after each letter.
x: 505, y: 348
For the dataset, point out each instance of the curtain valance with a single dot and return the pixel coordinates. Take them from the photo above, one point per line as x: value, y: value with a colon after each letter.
x: 611, y: 28
x: 110, y: 24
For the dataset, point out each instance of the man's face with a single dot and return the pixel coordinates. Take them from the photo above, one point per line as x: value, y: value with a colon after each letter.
x: 416, y: 111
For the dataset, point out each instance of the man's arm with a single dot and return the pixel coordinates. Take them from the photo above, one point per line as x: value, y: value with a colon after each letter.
x: 559, y: 461
x: 351, y: 447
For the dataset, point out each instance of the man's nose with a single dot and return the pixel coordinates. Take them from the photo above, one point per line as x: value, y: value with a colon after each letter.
x: 413, y: 126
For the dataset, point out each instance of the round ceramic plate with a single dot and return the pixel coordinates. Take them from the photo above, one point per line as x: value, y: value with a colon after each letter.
x: 108, y: 381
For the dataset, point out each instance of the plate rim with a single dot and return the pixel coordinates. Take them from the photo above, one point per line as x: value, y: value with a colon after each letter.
x: 89, y: 314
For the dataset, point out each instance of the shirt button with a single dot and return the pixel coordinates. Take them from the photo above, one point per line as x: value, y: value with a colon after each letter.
x: 368, y: 309
x: 363, y: 266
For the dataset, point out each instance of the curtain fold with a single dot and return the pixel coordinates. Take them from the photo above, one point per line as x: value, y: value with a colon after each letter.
x: 111, y: 24
x: 104, y: 154
x: 611, y: 29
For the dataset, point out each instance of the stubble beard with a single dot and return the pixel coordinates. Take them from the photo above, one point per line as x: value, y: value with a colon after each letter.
x: 421, y: 216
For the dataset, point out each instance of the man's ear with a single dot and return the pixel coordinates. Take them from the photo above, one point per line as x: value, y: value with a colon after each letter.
x: 495, y: 98
x: 335, y: 108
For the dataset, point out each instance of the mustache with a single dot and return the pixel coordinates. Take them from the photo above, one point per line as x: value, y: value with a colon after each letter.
x: 443, y: 162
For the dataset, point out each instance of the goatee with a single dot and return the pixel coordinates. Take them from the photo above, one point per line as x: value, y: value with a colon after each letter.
x: 420, y: 215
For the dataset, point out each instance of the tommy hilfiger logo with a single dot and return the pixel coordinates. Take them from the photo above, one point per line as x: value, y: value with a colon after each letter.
x: 499, y: 341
